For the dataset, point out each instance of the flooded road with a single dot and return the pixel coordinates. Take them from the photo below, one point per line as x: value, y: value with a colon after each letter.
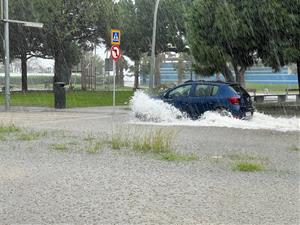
x: 156, y: 112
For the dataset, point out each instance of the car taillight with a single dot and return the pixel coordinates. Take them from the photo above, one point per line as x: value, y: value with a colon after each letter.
x: 234, y: 100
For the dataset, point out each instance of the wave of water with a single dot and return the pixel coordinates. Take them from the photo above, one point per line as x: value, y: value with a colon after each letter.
x: 156, y: 112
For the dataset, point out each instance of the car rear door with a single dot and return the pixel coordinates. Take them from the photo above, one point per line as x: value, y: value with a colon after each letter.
x: 204, y: 98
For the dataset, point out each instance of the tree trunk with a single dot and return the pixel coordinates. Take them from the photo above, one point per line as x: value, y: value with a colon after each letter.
x: 24, y: 73
x: 121, y: 81
x: 240, y: 75
x: 83, y: 74
x: 180, y: 70
x: 62, y: 72
x: 298, y: 72
x: 136, y: 74
x: 227, y: 74
x: 157, y: 71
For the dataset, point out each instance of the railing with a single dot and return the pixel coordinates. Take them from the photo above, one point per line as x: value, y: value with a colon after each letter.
x: 287, y: 97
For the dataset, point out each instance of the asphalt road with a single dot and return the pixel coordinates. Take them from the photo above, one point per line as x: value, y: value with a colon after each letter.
x: 39, y: 185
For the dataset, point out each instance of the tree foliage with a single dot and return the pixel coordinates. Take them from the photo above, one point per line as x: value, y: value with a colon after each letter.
x: 71, y: 25
x: 240, y: 32
x: 135, y: 19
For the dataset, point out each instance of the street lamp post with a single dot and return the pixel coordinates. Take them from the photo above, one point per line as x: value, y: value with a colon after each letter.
x: 4, y: 18
x: 152, y: 67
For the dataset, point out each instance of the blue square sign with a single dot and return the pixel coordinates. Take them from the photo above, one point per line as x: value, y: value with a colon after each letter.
x: 115, y: 37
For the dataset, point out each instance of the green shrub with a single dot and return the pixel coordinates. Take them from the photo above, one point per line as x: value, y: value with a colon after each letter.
x: 248, y: 167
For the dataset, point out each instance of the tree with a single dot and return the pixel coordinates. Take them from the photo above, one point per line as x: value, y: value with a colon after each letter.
x: 240, y: 32
x: 24, y: 41
x: 136, y: 22
x: 218, y: 34
x: 133, y: 41
x: 68, y: 26
x: 170, y: 34
x: 278, y: 23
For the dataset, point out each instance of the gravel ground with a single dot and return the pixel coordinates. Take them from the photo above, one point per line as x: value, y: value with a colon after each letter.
x: 40, y: 185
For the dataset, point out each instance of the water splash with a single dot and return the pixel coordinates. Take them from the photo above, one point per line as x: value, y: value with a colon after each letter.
x: 156, y: 112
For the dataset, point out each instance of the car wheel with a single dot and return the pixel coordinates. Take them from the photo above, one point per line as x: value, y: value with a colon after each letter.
x: 223, y: 112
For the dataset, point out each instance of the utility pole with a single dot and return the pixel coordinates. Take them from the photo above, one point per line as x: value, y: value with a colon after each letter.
x: 152, y: 67
x: 4, y: 18
x: 6, y: 53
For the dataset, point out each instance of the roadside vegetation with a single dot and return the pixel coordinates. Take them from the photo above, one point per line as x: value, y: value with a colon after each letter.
x: 73, y: 99
x: 59, y: 147
x: 294, y: 148
x: 175, y: 156
x: 247, y: 167
x: 95, y: 147
x: 10, y: 128
x: 6, y: 130
x: 31, y: 135
x: 158, y: 143
x: 273, y: 88
x: 247, y: 162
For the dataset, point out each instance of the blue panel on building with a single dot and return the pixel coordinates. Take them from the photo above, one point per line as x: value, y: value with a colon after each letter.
x: 259, y: 75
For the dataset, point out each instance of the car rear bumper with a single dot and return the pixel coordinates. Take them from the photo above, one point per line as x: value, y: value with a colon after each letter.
x: 243, y: 114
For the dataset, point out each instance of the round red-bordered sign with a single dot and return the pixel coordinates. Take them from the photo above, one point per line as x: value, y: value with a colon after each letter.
x: 115, y: 52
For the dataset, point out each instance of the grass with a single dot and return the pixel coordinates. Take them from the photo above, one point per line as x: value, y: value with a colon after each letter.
x: 2, y: 137
x: 90, y: 137
x: 279, y: 88
x: 30, y: 136
x: 156, y: 142
x: 8, y: 128
x: 95, y: 147
x: 248, y: 167
x: 119, y: 142
x: 294, y: 148
x: 245, y: 157
x: 59, y: 147
x: 73, y: 99
x: 247, y: 163
x: 175, y: 156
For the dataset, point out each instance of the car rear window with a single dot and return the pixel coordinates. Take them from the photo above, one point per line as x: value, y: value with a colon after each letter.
x: 238, y: 89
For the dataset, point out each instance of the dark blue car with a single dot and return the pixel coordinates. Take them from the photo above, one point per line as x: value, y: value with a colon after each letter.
x: 197, y: 97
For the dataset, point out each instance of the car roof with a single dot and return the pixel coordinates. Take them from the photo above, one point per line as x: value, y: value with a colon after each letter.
x: 218, y: 82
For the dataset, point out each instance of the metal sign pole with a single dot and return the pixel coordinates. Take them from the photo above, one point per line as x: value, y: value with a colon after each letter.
x: 6, y: 61
x: 4, y: 18
x: 114, y: 87
x: 114, y: 97
x: 115, y: 54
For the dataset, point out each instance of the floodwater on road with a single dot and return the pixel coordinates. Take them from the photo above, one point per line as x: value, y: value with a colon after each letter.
x: 156, y: 112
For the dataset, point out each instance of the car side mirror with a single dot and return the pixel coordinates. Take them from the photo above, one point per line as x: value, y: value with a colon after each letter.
x: 166, y: 95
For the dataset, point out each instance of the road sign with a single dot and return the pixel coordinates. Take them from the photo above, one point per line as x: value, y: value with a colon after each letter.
x: 115, y: 52
x: 115, y: 37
